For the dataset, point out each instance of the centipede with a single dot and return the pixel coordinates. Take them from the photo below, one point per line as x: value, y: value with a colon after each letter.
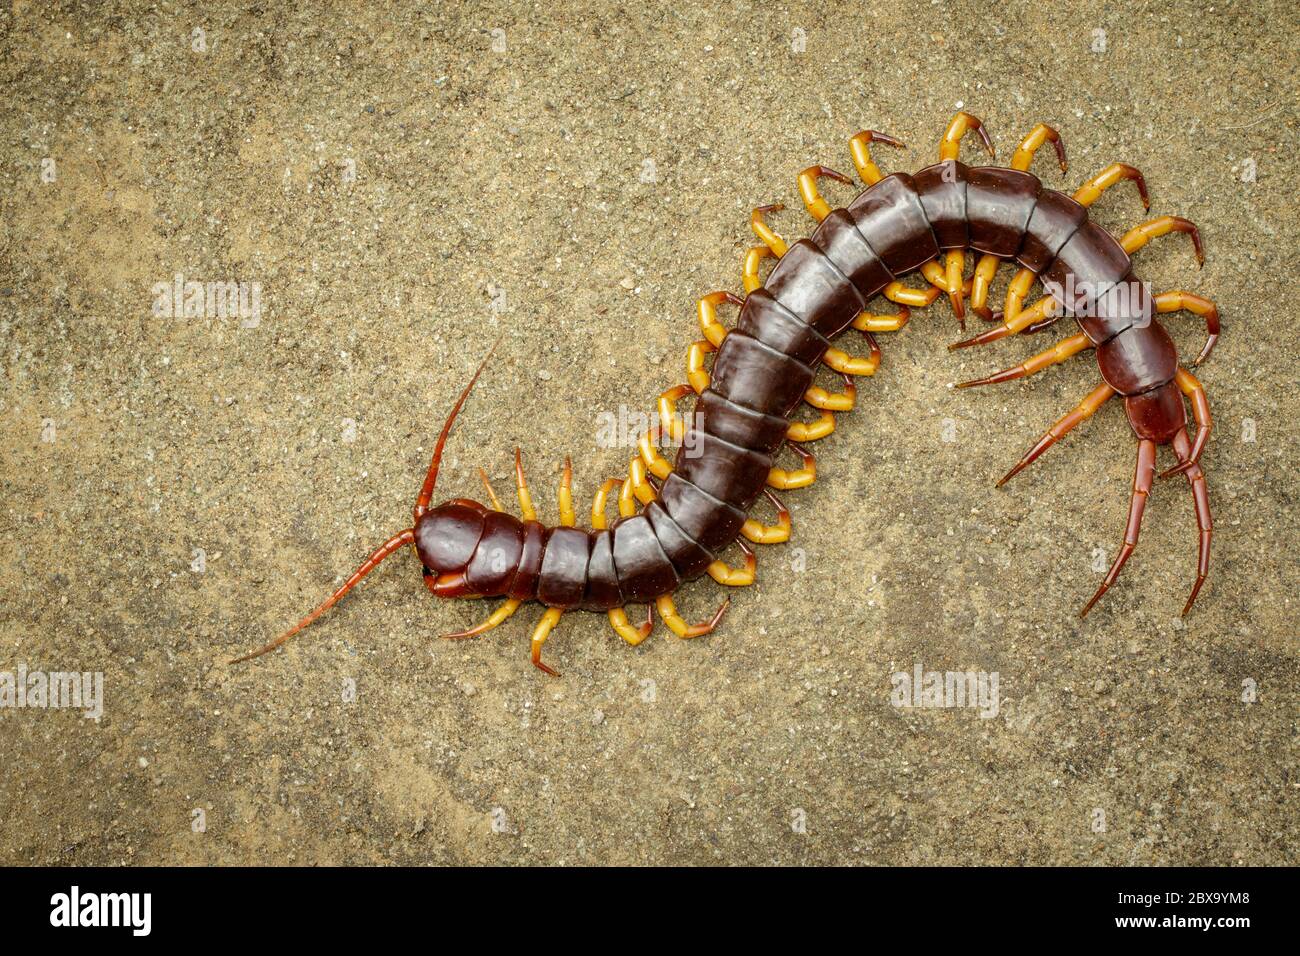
x: 676, y: 520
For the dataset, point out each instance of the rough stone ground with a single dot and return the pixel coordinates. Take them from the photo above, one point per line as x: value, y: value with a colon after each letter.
x: 575, y: 192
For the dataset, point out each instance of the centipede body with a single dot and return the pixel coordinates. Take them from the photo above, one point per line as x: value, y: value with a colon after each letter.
x: 676, y: 519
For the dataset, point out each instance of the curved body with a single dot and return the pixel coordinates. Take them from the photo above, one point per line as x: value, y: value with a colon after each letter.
x: 765, y: 365
x: 764, y: 369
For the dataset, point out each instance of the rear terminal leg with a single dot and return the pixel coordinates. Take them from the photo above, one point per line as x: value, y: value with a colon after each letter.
x: 1082, y: 412
x: 1143, y: 475
x: 1204, y: 523
x: 1186, y: 301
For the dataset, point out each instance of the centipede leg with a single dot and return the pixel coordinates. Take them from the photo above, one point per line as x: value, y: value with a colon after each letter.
x: 1025, y: 319
x: 707, y: 309
x: 906, y: 295
x: 671, y: 422
x: 1139, y: 236
x: 1091, y: 191
x: 1187, y: 301
x: 818, y: 397
x: 840, y: 361
x: 1195, y: 392
x: 1082, y: 412
x: 1053, y: 356
x: 567, y: 517
x: 760, y: 533
x: 492, y: 495
x: 764, y: 232
x: 1143, y: 475
x: 859, y: 149
x: 526, y: 510
x: 981, y: 281
x: 817, y: 207
x: 668, y: 611
x: 871, y: 322
x: 801, y: 477
x: 496, y: 617
x: 1204, y: 523
x: 540, y: 634
x: 740, y: 577
x: 633, y: 635
x: 749, y: 272
x: 696, y: 374
x: 949, y: 150
x: 654, y: 462
x: 598, y: 519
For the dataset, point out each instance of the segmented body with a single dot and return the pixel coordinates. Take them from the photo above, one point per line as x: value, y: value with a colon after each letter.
x: 764, y: 368
x: 766, y: 364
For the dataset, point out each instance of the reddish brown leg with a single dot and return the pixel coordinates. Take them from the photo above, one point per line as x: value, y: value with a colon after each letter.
x: 1083, y: 411
x: 1143, y: 475
x: 1201, y: 497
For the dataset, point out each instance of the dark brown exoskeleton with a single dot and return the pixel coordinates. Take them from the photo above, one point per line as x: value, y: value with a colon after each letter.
x: 676, y: 520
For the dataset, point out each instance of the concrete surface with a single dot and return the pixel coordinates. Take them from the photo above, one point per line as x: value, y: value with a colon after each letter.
x: 405, y: 186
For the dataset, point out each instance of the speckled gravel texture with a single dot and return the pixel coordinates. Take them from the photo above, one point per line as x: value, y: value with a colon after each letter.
x: 406, y: 184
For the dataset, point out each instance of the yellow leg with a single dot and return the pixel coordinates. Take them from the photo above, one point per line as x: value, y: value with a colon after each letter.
x: 714, y: 330
x: 567, y: 517
x: 668, y: 611
x: 672, y: 423
x: 540, y: 634
x: 817, y: 207
x: 598, y: 521
x: 764, y: 231
x: 1139, y: 236
x: 868, y: 322
x: 655, y: 462
x: 949, y: 149
x: 846, y: 364
x: 1180, y: 301
x: 521, y: 484
x: 988, y: 265
x: 1040, y: 134
x: 633, y: 635
x: 1091, y: 191
x: 799, y: 478
x: 695, y: 372
x: 753, y: 258
x: 916, y: 298
x: 635, y: 489
x: 1017, y: 291
x: 1058, y: 353
x: 980, y: 282
x: 811, y: 431
x: 731, y: 577
x: 826, y: 401
x: 492, y: 495
x: 859, y: 148
x: 497, y: 616
x: 759, y: 533
x: 1042, y: 309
